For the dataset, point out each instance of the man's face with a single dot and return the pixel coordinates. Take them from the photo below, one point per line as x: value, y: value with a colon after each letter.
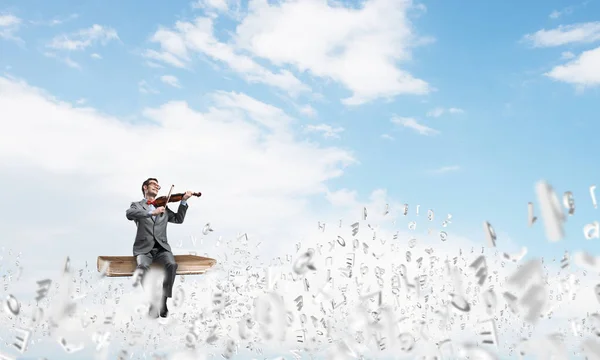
x: 153, y: 188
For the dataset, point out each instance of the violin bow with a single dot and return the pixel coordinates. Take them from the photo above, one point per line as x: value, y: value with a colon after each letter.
x: 169, y: 196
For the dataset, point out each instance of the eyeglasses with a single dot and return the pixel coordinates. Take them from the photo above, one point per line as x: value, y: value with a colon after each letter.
x: 154, y: 184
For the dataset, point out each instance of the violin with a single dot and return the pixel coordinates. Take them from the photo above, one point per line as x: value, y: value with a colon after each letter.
x: 163, y: 200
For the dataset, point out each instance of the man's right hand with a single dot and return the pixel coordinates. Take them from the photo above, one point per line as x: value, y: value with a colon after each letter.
x: 158, y: 210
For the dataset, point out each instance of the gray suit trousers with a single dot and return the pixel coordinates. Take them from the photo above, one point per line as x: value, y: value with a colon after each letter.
x: 162, y: 256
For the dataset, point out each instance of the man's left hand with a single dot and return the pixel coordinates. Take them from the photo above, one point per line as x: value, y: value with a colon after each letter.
x: 187, y: 195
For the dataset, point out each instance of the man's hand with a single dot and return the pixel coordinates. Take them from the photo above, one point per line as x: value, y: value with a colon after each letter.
x: 187, y: 195
x: 158, y: 210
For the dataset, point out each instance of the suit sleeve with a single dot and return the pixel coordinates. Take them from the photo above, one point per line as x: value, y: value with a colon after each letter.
x: 136, y: 213
x: 177, y: 218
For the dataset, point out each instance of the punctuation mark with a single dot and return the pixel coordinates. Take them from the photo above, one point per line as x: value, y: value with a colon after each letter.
x: 37, y: 316
x: 404, y: 275
x: 448, y: 219
x: 490, y: 300
x: 532, y: 218
x: 521, y: 347
x: 569, y: 202
x: 551, y: 211
x: 490, y: 234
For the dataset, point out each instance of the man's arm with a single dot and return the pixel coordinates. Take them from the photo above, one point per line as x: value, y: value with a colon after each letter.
x: 177, y: 218
x: 135, y: 213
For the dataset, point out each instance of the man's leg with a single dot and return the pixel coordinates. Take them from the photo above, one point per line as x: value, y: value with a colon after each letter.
x: 143, y: 265
x: 168, y: 260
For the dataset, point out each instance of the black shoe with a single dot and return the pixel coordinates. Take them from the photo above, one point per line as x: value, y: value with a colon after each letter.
x: 153, y: 312
x: 164, y: 311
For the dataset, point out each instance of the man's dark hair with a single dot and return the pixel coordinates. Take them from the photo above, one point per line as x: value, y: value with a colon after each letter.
x: 146, y: 183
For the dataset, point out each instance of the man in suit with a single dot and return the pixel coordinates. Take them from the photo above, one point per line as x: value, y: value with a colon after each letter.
x: 151, y: 244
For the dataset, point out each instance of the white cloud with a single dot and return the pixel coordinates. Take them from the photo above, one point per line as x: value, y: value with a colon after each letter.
x: 220, y: 5
x: 172, y: 42
x: 437, y: 112
x: 55, y: 21
x: 413, y: 124
x: 154, y: 65
x: 71, y: 63
x: 198, y: 37
x: 337, y: 42
x: 9, y: 25
x: 84, y: 38
x: 327, y: 130
x: 64, y: 59
x: 145, y: 88
x: 554, y: 14
x: 566, y: 55
x: 237, y: 153
x: 584, y: 71
x: 170, y: 80
x: 268, y: 116
x: 378, y: 36
x: 565, y: 34
x: 9, y: 20
x: 557, y: 14
x: 308, y: 111
x: 165, y: 57
x: 446, y: 169
x: 342, y: 198
x: 96, y: 56
x: 387, y: 137
x: 89, y: 166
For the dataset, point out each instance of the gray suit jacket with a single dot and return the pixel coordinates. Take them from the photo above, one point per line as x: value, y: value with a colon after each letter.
x: 148, y: 229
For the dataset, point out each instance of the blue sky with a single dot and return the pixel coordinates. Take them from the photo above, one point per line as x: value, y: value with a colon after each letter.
x: 512, y: 124
x: 518, y: 125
